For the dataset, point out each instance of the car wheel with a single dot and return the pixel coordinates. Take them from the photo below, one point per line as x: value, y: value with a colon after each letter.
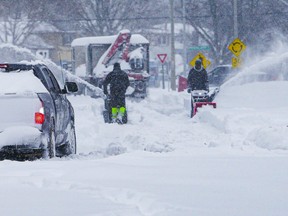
x: 70, y: 147
x: 51, y: 144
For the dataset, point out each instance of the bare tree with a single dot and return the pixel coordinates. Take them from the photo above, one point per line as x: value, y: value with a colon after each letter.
x: 212, y: 20
x: 17, y: 20
x: 259, y: 17
x: 257, y: 20
x: 105, y: 17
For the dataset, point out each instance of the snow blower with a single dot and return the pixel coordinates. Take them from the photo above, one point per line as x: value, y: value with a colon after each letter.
x: 201, y: 98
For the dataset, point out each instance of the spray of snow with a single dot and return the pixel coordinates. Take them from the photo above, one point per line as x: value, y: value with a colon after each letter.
x: 269, y: 66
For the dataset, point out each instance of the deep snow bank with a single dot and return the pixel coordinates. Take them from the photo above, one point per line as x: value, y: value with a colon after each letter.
x: 248, y: 117
x: 258, y: 111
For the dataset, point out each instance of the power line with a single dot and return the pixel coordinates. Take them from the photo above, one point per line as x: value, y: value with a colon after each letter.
x: 156, y: 18
x: 150, y: 18
x: 123, y: 19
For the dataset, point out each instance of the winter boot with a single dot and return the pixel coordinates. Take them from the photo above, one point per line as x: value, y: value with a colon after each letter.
x: 114, y: 114
x: 122, y: 111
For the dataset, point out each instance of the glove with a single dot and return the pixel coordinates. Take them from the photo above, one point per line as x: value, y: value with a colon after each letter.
x: 189, y: 90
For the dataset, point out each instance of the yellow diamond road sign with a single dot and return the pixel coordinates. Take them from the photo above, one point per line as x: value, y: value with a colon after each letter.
x: 236, y: 62
x: 205, y: 61
x: 237, y: 47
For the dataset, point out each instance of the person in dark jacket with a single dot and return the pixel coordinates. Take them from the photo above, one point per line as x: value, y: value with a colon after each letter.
x: 198, y: 78
x: 119, y: 83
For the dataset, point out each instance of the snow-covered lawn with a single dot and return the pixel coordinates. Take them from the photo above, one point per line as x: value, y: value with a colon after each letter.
x: 227, y: 161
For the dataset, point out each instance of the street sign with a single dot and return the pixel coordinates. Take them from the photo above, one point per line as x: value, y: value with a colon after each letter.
x: 162, y: 57
x: 197, y: 48
x: 236, y: 62
x: 205, y: 61
x: 237, y: 47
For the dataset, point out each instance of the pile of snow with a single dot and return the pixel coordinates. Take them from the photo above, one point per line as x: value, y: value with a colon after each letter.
x: 254, y: 109
x: 161, y: 122
x: 24, y: 81
x: 226, y: 161
x: 13, y: 54
x: 26, y: 135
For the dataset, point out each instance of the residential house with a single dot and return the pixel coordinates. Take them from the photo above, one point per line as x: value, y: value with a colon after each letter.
x: 47, y: 41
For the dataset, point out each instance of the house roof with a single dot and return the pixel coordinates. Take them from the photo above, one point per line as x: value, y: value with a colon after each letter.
x: 36, y: 42
x: 85, y: 41
x: 43, y: 27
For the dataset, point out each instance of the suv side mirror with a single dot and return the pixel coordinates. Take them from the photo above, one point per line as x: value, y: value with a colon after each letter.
x: 71, y: 86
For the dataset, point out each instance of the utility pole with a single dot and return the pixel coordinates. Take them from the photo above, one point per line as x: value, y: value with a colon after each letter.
x: 184, y: 35
x: 173, y: 74
x: 235, y: 13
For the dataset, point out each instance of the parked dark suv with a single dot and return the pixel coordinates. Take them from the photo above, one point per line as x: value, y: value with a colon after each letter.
x: 219, y: 75
x: 36, y: 118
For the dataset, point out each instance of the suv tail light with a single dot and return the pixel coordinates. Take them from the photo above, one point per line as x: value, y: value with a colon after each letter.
x: 39, y: 116
x: 3, y: 66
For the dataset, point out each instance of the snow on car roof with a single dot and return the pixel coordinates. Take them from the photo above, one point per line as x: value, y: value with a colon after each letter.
x: 85, y: 41
x: 19, y: 82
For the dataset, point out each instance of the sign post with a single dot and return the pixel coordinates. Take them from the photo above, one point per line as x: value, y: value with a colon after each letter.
x: 236, y: 47
x: 162, y: 58
x: 236, y: 62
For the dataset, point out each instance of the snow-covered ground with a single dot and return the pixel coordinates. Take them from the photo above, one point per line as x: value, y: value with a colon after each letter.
x: 226, y: 161
x: 229, y: 161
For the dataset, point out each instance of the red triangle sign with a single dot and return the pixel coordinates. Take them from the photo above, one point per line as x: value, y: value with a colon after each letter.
x: 162, y: 57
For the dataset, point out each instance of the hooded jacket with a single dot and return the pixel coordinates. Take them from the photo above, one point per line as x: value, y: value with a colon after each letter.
x: 198, y: 79
x: 118, y: 81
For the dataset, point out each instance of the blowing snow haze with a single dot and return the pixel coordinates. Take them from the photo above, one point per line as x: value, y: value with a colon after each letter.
x: 228, y: 160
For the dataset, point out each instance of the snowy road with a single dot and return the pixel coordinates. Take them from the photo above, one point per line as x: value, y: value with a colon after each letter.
x: 226, y: 161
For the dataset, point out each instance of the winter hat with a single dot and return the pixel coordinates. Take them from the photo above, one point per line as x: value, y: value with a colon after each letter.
x: 199, y: 61
x: 116, y: 65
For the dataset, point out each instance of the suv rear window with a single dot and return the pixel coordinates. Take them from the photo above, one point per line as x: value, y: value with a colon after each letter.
x: 20, y: 81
